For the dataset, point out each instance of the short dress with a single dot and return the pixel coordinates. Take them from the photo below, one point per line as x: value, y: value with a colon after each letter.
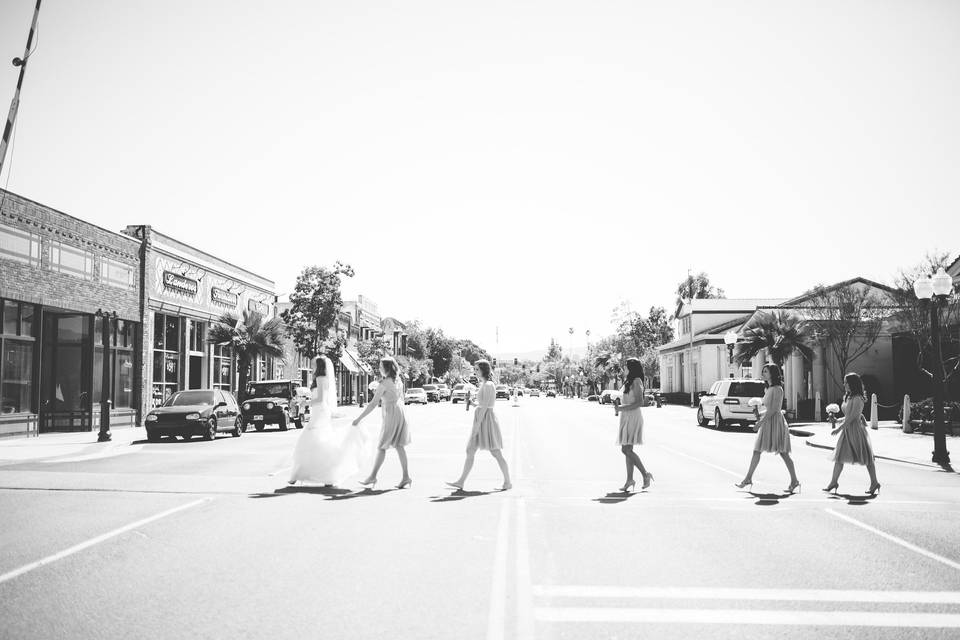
x: 631, y: 420
x: 395, y: 431
x: 853, y: 445
x: 486, y: 433
x: 773, y: 435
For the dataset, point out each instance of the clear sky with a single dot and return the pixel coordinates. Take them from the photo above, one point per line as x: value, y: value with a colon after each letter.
x: 516, y: 164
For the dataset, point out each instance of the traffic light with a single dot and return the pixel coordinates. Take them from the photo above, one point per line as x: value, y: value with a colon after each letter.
x: 494, y: 362
x: 515, y: 362
x: 538, y: 368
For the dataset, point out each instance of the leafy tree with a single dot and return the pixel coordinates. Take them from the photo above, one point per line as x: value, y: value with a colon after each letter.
x: 554, y: 351
x: 697, y: 286
x: 780, y: 332
x: 913, y: 315
x: 372, y: 350
x: 250, y: 337
x: 471, y: 351
x: 460, y: 369
x: 440, y: 349
x: 417, y: 371
x: 417, y: 340
x: 316, y: 302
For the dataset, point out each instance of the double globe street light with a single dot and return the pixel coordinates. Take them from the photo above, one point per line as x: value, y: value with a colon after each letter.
x: 934, y: 293
x: 730, y: 339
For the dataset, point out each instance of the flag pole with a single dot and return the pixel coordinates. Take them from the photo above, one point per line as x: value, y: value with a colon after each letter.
x: 15, y: 103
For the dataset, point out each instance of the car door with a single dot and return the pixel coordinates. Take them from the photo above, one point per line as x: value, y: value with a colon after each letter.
x: 712, y: 399
x: 221, y: 413
x: 233, y: 409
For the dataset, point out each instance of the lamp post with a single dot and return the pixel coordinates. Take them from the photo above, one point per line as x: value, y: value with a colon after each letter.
x: 934, y: 292
x: 107, y: 320
x: 730, y: 339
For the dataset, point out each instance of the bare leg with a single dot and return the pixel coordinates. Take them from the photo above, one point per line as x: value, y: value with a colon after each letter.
x: 626, y: 458
x: 402, y: 454
x: 754, y: 461
x: 872, y: 470
x: 498, y: 456
x: 787, y: 460
x: 837, y: 468
x: 381, y: 456
x: 467, y: 466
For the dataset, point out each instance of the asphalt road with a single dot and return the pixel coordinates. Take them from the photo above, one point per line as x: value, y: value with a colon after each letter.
x: 205, y: 540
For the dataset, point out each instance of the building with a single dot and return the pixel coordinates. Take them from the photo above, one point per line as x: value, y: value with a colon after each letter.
x: 70, y: 303
x: 184, y: 290
x: 396, y: 334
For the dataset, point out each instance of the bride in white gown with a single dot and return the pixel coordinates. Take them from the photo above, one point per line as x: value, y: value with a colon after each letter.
x: 326, y: 453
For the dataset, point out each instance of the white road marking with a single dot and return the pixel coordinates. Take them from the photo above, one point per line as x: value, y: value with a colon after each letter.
x: 525, y: 628
x: 704, y: 462
x: 111, y: 453
x: 280, y: 470
x: 97, y: 540
x: 892, y: 538
x: 740, y: 595
x: 748, y: 617
x: 498, y: 587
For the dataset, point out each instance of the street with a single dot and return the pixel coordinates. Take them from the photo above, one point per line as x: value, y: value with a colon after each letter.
x: 205, y: 539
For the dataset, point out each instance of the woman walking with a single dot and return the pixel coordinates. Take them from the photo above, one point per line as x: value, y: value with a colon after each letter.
x: 486, y: 429
x: 773, y: 435
x: 853, y: 445
x: 395, y: 431
x: 631, y: 423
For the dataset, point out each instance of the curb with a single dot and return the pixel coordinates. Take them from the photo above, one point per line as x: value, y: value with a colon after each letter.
x: 914, y: 462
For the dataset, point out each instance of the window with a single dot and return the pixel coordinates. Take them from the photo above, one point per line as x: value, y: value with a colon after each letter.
x: 71, y: 260
x: 747, y: 389
x: 222, y: 367
x: 166, y: 357
x: 116, y: 273
x: 11, y: 317
x: 21, y: 246
x: 16, y: 373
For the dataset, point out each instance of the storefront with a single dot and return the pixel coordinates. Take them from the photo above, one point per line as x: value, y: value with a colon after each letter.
x: 69, y: 301
x: 186, y: 290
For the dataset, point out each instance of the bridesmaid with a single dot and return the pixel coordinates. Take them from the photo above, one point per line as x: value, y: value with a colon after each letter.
x: 631, y: 423
x: 486, y: 429
x: 395, y: 431
x: 853, y: 445
x: 773, y: 434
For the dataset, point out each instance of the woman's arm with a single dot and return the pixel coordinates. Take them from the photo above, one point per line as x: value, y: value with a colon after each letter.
x: 854, y: 413
x: 373, y: 404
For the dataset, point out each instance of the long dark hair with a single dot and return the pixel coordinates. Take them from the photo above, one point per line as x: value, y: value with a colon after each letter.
x: 776, y: 375
x: 856, y: 386
x: 634, y: 371
x: 319, y: 370
x: 484, y: 367
x: 390, y: 366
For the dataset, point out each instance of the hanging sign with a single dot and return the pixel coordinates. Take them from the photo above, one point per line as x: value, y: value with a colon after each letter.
x: 224, y: 297
x: 180, y: 283
x: 259, y: 307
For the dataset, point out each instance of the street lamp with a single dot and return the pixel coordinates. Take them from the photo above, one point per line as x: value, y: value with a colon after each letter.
x: 730, y: 339
x: 107, y: 320
x: 934, y: 292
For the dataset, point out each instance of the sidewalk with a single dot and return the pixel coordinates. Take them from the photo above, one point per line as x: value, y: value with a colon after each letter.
x: 58, y: 445
x: 889, y: 441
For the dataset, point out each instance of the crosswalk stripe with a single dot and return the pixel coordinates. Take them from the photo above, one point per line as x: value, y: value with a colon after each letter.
x: 725, y: 593
x: 749, y: 617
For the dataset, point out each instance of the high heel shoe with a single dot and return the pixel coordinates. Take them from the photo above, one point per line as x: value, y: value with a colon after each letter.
x: 794, y: 487
x: 744, y: 484
x: 455, y: 485
x: 404, y: 484
x: 506, y: 486
x: 647, y: 479
x: 630, y: 485
x: 370, y: 484
x: 874, y: 489
x: 832, y: 488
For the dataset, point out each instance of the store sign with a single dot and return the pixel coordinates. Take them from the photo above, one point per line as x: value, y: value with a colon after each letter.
x: 224, y: 297
x: 259, y: 307
x: 180, y: 283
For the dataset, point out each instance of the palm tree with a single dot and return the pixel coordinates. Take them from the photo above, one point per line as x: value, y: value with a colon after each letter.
x: 610, y: 364
x: 780, y: 332
x: 249, y: 337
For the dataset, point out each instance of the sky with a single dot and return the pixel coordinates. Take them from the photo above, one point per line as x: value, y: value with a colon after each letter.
x: 505, y: 170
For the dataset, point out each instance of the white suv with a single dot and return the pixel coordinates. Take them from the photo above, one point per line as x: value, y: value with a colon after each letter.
x: 727, y: 401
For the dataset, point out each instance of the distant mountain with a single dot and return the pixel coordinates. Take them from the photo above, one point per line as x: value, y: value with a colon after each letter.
x: 536, y: 356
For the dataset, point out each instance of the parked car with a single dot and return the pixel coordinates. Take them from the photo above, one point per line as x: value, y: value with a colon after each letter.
x: 611, y: 396
x: 415, y: 395
x: 727, y: 402
x: 534, y: 393
x: 460, y: 392
x: 520, y: 391
x: 198, y: 412
x: 551, y: 393
x: 274, y: 402
x: 433, y: 392
x: 444, y: 391
x: 503, y: 391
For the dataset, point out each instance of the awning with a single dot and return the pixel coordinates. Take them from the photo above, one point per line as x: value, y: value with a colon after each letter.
x: 364, y: 367
x: 349, y: 363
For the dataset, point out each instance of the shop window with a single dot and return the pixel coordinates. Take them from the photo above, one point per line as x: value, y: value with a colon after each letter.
x: 16, y: 376
x: 198, y: 335
x: 11, y: 317
x: 21, y: 246
x: 71, y: 260
x: 116, y: 273
x: 123, y: 369
x: 222, y: 367
x: 27, y: 314
x: 166, y: 357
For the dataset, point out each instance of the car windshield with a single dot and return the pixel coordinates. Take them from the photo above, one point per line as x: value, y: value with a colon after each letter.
x: 502, y: 386
x: 429, y: 387
x: 190, y: 398
x: 459, y: 387
x: 442, y: 386
x: 274, y: 390
x: 747, y: 389
x: 415, y: 391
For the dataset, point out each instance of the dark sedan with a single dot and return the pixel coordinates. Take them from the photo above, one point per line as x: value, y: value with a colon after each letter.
x: 201, y: 412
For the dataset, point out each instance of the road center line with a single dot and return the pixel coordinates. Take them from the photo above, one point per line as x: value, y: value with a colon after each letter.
x: 525, y: 628
x: 498, y: 587
x: 704, y: 462
x: 748, y: 617
x: 892, y: 538
x: 740, y: 595
x: 97, y: 540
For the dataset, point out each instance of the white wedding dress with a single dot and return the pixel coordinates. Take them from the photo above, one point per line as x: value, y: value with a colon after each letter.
x: 328, y: 453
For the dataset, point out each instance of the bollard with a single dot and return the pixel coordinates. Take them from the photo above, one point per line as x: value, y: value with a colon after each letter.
x: 874, y: 412
x: 907, y: 427
x: 817, y: 414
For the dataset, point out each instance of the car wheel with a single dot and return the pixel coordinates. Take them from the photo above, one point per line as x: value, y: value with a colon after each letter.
x: 718, y: 420
x: 238, y: 428
x: 211, y: 431
x: 701, y: 419
x: 153, y: 436
x: 258, y: 426
x: 283, y: 422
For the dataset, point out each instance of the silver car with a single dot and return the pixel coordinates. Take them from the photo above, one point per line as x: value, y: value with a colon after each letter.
x: 728, y: 402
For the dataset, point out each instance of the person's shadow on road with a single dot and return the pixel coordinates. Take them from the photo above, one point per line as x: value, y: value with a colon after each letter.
x: 617, y: 497
x: 460, y: 494
x: 346, y: 494
x: 854, y: 500
x: 322, y: 491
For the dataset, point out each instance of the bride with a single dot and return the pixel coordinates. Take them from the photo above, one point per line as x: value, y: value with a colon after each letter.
x: 326, y: 453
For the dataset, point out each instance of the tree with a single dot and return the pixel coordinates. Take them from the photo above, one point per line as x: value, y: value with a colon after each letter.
x: 372, y: 350
x: 554, y: 351
x: 697, y: 286
x: 913, y: 315
x: 471, y: 351
x: 250, y: 337
x: 417, y: 371
x: 417, y: 340
x: 780, y: 332
x: 441, y: 350
x: 315, y: 304
x: 847, y: 320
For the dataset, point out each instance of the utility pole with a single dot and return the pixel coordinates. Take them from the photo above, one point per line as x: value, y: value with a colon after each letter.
x: 15, y: 103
